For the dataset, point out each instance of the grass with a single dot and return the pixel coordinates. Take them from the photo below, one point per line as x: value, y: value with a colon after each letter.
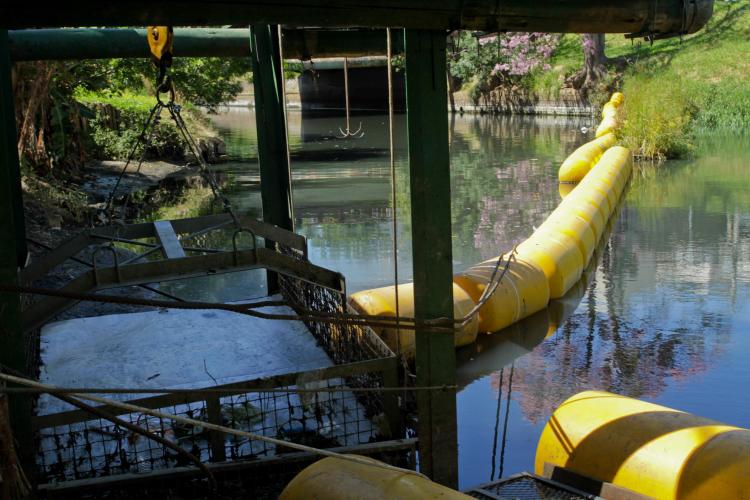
x: 675, y: 89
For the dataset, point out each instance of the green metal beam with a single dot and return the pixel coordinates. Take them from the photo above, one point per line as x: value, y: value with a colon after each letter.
x: 12, y: 345
x: 570, y: 16
x: 105, y: 43
x: 270, y: 120
x: 429, y: 167
x: 9, y: 138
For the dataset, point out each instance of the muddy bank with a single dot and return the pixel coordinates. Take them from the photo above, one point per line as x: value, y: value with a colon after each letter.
x: 49, y: 223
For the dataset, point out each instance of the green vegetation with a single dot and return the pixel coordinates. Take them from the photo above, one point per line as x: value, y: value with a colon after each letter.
x: 117, y: 120
x: 674, y: 88
x: 74, y: 110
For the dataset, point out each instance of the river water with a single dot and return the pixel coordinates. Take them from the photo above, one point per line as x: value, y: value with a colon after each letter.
x: 664, y: 315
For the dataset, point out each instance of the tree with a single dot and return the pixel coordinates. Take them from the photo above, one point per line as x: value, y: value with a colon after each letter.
x: 490, y: 59
x: 594, y: 62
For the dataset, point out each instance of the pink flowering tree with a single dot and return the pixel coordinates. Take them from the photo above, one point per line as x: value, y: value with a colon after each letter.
x: 491, y: 59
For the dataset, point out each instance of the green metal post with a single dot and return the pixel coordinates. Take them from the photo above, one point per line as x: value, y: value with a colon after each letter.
x: 275, y: 173
x: 10, y: 139
x: 12, y: 345
x: 427, y: 117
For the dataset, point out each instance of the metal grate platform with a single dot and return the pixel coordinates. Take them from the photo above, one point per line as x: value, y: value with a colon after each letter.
x: 525, y: 486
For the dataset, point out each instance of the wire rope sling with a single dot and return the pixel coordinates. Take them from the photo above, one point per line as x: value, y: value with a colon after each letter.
x: 160, y: 43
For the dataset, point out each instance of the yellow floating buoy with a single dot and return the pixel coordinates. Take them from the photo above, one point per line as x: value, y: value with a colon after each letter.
x: 647, y: 448
x: 557, y: 255
x: 606, y: 141
x: 577, y: 165
x: 586, y: 209
x: 574, y: 226
x: 522, y: 292
x: 382, y: 302
x: 564, y: 188
x: 338, y: 479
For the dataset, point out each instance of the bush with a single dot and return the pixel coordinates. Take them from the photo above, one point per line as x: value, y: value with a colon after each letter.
x: 118, y: 121
x: 724, y: 106
x: 658, y: 115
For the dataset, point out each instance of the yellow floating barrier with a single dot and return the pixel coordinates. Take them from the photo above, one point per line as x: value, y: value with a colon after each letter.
x: 382, y: 302
x: 576, y: 166
x: 601, y: 184
x: 606, y: 141
x: 557, y: 255
x: 522, y: 292
x: 647, y: 448
x: 613, y: 105
x: 586, y: 209
x: 610, y: 177
x: 610, y: 115
x: 338, y: 479
x: 574, y: 226
x: 564, y: 188
x: 598, y: 194
x: 548, y: 264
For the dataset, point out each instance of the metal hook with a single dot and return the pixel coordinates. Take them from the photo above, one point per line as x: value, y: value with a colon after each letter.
x: 234, y: 241
x: 357, y: 134
x: 111, y: 248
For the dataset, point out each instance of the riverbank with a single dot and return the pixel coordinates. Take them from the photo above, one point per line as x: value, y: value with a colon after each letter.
x: 675, y: 89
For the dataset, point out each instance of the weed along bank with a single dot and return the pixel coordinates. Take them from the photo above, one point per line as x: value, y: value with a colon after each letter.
x: 190, y: 306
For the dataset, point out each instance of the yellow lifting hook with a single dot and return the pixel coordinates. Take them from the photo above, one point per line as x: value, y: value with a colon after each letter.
x: 160, y: 43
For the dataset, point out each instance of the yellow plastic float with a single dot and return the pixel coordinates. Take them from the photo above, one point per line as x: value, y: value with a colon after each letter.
x: 610, y: 115
x: 574, y: 226
x: 557, y: 255
x: 577, y: 165
x: 647, y: 448
x: 564, y: 188
x: 382, y: 302
x: 523, y: 291
x: 339, y: 479
x: 549, y: 263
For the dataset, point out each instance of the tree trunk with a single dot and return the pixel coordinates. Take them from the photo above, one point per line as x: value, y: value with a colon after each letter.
x: 594, y: 61
x: 13, y: 482
x: 593, y: 56
x: 451, y: 89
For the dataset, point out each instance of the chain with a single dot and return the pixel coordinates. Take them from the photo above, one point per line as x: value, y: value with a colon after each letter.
x: 165, y: 86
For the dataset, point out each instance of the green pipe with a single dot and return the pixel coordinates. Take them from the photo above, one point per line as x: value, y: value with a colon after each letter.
x: 647, y: 17
x: 98, y: 43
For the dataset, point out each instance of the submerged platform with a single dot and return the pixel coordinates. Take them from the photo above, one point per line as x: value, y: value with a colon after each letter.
x: 193, y: 349
x: 174, y: 349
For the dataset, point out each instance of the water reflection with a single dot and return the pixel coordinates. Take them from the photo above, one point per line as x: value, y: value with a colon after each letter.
x: 663, y: 316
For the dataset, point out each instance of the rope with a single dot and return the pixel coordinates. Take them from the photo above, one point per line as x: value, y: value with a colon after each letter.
x: 438, y: 325
x: 131, y: 408
x: 345, y: 319
x: 348, y: 132
x: 492, y: 285
x: 143, y: 432
x: 212, y: 390
x: 392, y: 161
